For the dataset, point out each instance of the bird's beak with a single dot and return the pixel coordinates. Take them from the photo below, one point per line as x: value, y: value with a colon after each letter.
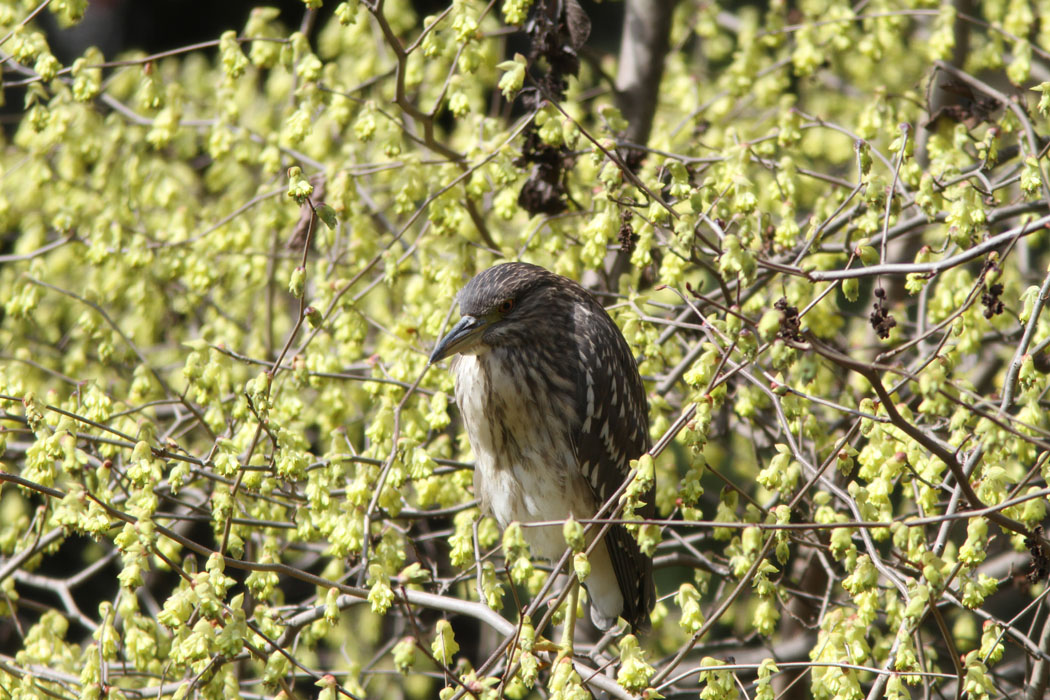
x: 462, y: 336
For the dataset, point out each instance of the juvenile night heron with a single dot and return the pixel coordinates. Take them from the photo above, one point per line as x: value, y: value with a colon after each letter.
x: 555, y: 411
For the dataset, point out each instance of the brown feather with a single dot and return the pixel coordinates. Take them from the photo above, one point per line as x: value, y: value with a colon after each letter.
x: 555, y: 410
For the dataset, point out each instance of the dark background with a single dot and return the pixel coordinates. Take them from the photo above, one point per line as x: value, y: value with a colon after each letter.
x: 160, y: 25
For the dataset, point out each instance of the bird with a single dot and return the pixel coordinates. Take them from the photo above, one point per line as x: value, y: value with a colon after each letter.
x: 555, y: 410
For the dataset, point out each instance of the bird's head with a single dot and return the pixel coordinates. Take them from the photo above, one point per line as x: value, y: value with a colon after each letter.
x: 500, y: 306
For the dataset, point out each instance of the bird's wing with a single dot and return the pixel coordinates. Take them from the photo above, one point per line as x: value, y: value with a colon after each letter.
x: 614, y: 430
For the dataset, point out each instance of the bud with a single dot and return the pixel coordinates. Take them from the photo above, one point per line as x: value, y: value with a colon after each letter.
x: 582, y: 566
x: 572, y: 531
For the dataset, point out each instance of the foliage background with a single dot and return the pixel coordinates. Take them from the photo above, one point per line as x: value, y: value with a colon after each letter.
x: 228, y: 472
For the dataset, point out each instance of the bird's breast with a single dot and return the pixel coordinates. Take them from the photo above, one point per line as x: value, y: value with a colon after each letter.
x: 520, y: 427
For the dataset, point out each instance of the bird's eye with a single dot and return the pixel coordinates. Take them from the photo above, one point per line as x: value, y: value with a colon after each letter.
x: 505, y: 306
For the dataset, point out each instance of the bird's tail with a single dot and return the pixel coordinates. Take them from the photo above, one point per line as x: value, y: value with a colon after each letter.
x: 634, y: 575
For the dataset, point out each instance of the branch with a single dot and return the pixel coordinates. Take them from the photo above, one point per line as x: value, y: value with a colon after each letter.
x: 933, y: 446
x: 937, y: 265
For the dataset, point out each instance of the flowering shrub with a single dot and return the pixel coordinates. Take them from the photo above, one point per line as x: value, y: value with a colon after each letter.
x: 228, y: 471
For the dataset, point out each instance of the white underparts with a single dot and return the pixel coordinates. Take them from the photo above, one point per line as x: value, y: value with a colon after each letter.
x: 526, y: 469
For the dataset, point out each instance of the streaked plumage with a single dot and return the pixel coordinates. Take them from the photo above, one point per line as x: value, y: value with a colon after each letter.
x: 555, y: 411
